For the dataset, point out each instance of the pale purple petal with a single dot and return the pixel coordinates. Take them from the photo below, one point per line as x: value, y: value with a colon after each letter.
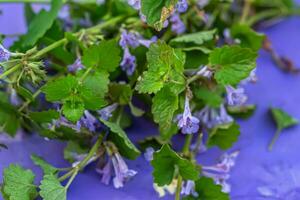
x: 4, y: 54
x: 178, y: 26
x: 235, y: 97
x: 182, y: 6
x: 128, y: 63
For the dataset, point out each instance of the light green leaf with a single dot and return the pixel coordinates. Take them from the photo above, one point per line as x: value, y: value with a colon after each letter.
x: 165, y: 65
x: 51, y: 189
x: 248, y: 37
x: 166, y: 161
x: 232, y: 64
x: 164, y: 105
x: 60, y: 88
x: 120, y: 139
x: 47, y: 168
x: 244, y: 111
x: 73, y: 108
x: 137, y: 112
x: 197, y: 38
x: 283, y: 119
x: 18, y: 183
x: 40, y: 24
x: 105, y: 56
x: 224, y: 136
x: 157, y: 11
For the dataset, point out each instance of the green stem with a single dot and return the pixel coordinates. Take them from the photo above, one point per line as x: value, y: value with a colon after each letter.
x: 86, y: 73
x: 50, y: 48
x: 274, y: 139
x: 29, y: 101
x: 260, y: 16
x: 246, y: 10
x: 187, y: 143
x: 198, y: 143
x: 82, y: 164
x: 11, y: 70
x: 193, y: 78
x: 72, y: 178
x: 178, y: 188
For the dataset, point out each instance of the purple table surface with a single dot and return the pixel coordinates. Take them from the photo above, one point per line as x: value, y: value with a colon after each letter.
x: 278, y: 170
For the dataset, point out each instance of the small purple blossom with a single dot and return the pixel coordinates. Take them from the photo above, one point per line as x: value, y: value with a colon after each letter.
x: 14, y: 99
x: 136, y: 4
x: 106, y: 113
x: 188, y: 188
x: 4, y: 54
x: 128, y: 63
x: 220, y: 171
x: 205, y: 72
x: 188, y: 123
x: 251, y: 78
x: 211, y: 117
x: 146, y: 42
x: 128, y: 39
x: 88, y: 121
x: 62, y: 121
x: 182, y: 6
x: 76, y: 66
x: 235, y: 97
x: 148, y: 155
x: 202, y: 3
x: 178, y: 26
x: 121, y: 172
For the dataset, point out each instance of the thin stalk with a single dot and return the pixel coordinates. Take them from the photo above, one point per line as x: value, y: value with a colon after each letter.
x: 178, y: 188
x: 29, y: 101
x: 93, y: 150
x: 11, y: 70
x: 246, y: 10
x: 72, y: 178
x: 86, y: 73
x: 187, y: 143
x: 193, y: 78
x: 49, y: 48
x: 274, y: 139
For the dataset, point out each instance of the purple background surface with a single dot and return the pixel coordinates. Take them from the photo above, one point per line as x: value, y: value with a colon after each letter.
x: 278, y: 170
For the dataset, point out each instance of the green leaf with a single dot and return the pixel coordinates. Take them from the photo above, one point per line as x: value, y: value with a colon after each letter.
x: 47, y: 168
x: 207, y: 190
x: 210, y: 98
x: 120, y: 93
x: 94, y: 89
x: 283, y: 119
x: 119, y: 137
x: 137, y: 112
x: 51, y: 189
x: 104, y: 56
x: 165, y: 65
x: 164, y: 105
x: 166, y: 161
x: 248, y: 37
x: 73, y: 108
x: 60, y: 88
x: 157, y: 11
x: 40, y: 24
x: 44, y: 116
x: 197, y: 38
x: 232, y: 64
x: 18, y: 183
x: 224, y: 136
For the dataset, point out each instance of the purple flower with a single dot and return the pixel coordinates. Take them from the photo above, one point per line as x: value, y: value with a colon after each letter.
x: 146, y: 42
x: 205, y: 72
x: 188, y: 188
x: 182, y: 6
x: 136, y: 4
x: 88, y: 121
x: 188, y: 123
x: 128, y: 39
x: 148, y: 155
x: 128, y: 63
x: 14, y: 99
x: 106, y: 113
x: 76, y: 66
x: 235, y: 97
x: 251, y: 78
x: 106, y: 172
x: 178, y: 26
x: 211, y: 117
x: 121, y: 172
x: 220, y: 171
x: 62, y: 121
x: 4, y: 54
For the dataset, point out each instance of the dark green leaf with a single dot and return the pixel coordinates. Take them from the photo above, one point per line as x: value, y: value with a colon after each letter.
x: 244, y: 111
x: 119, y: 137
x: 224, y: 136
x: 44, y: 116
x: 120, y: 93
x: 166, y: 161
x: 211, y: 98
